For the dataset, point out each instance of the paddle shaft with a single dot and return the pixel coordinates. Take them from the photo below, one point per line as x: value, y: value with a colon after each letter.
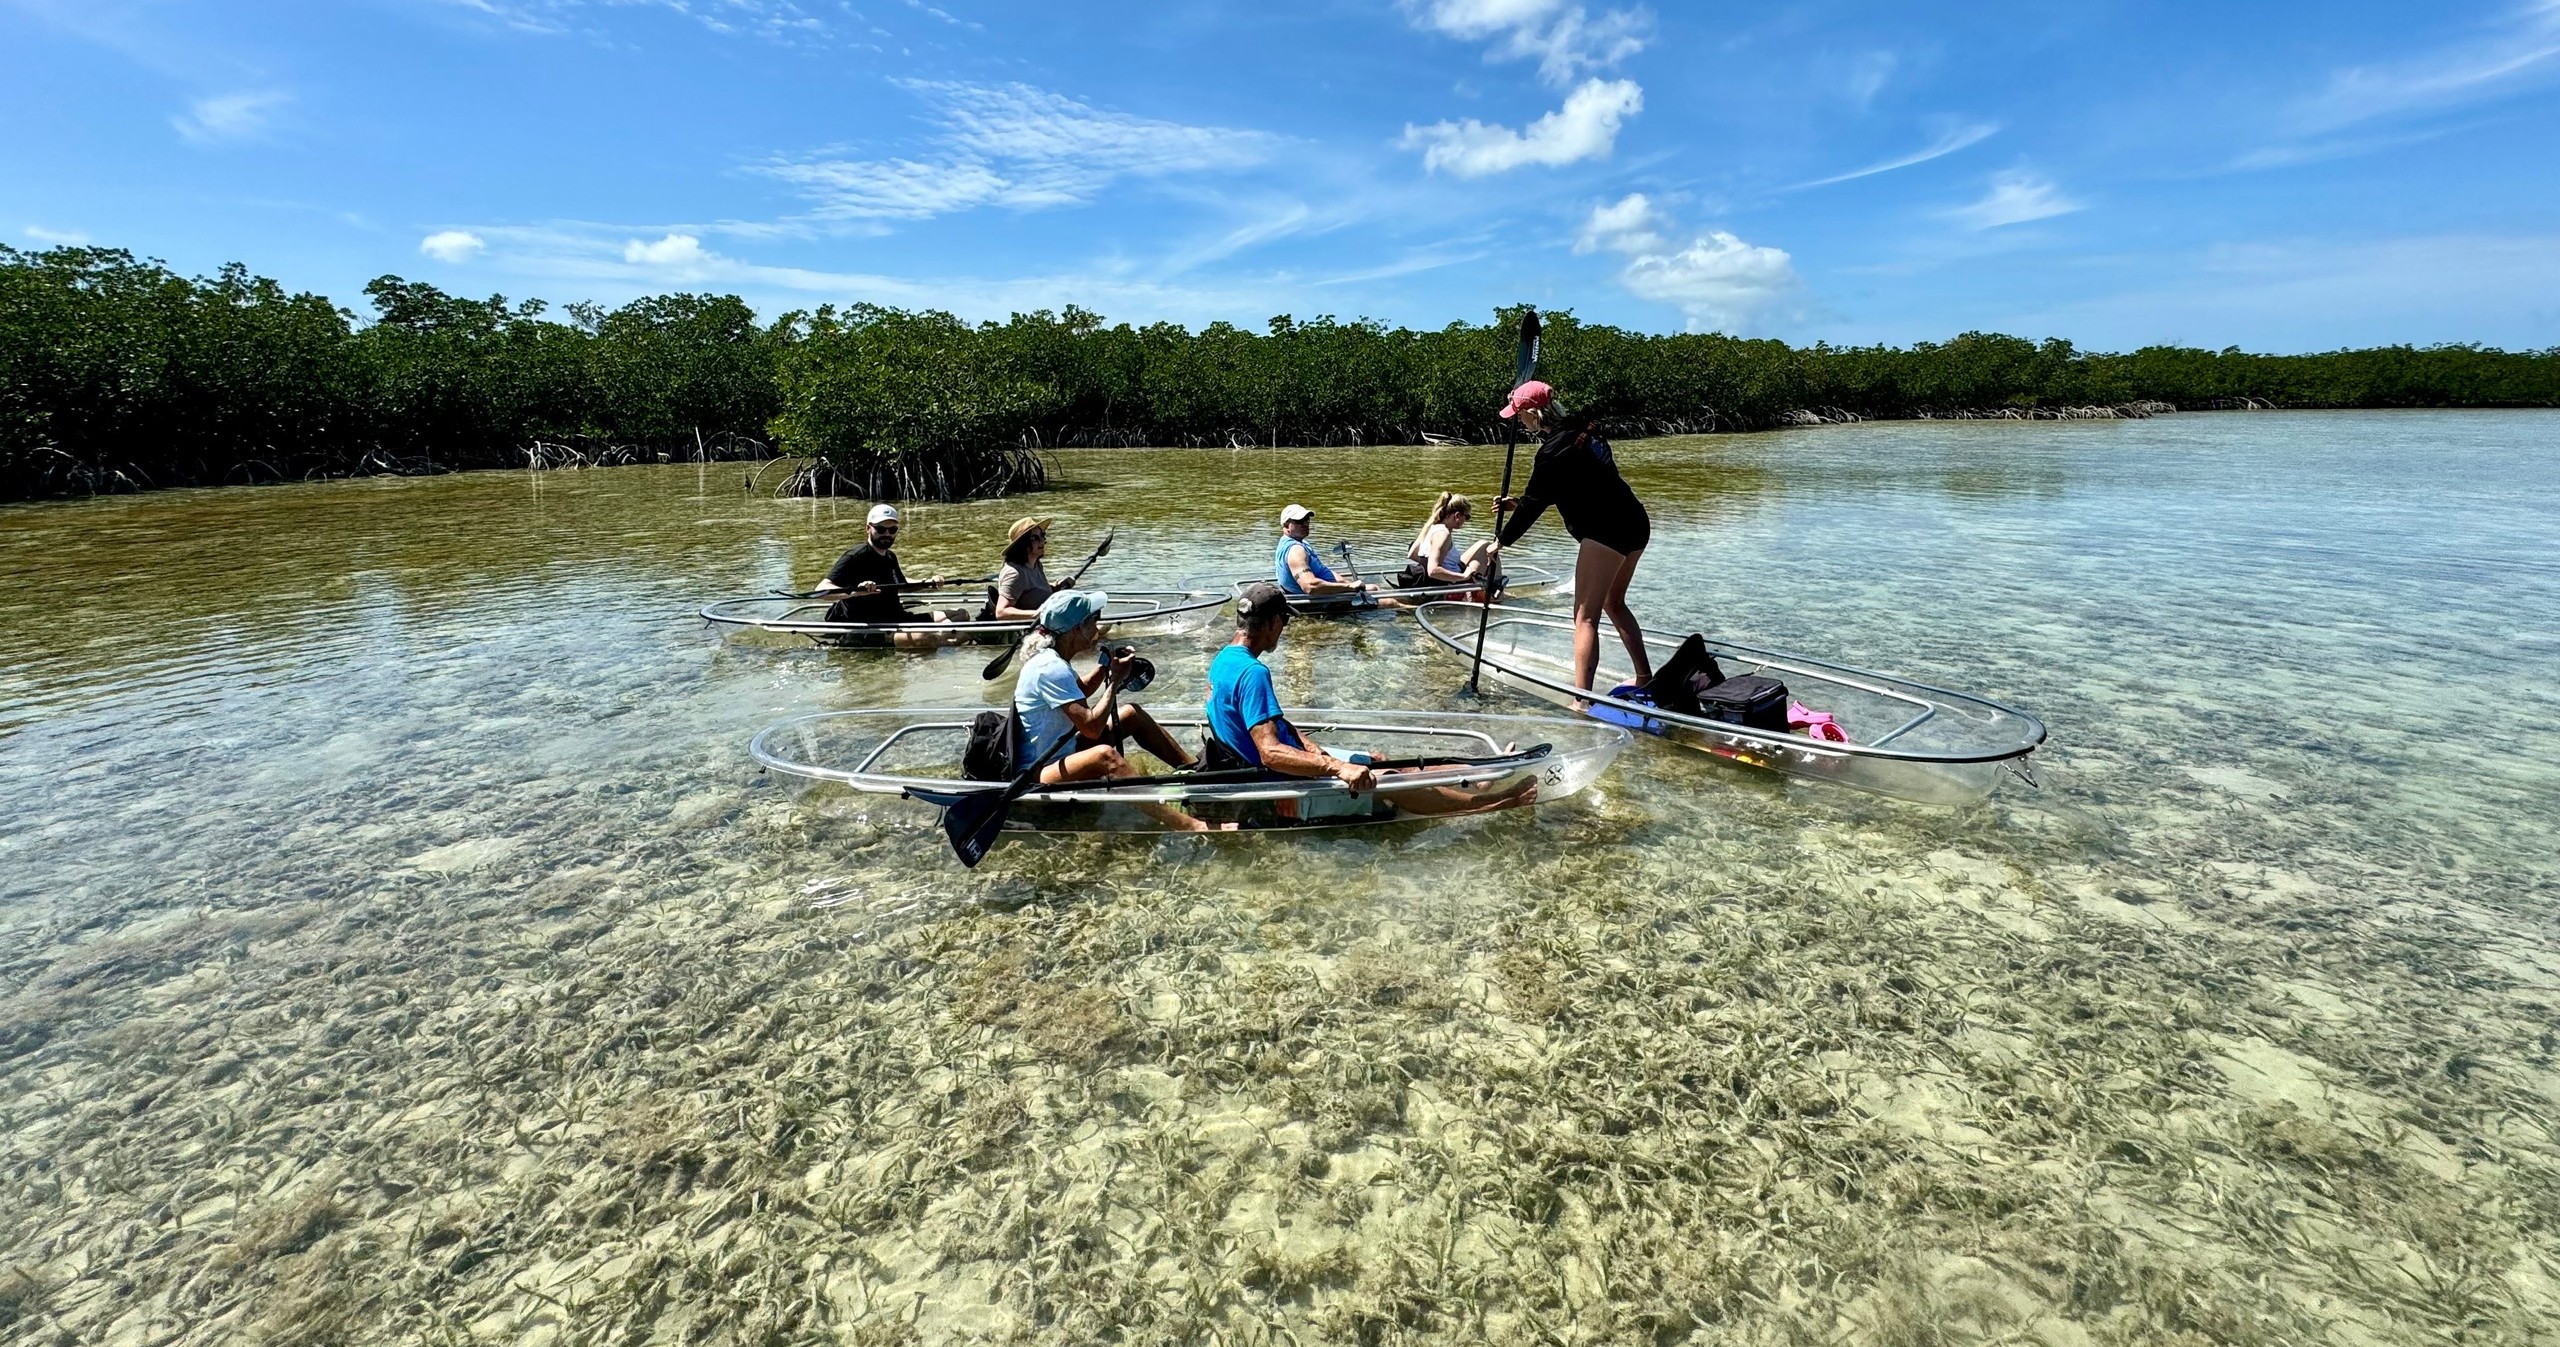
x: 1524, y: 364
x: 864, y: 590
x: 1245, y: 774
x: 1484, y: 614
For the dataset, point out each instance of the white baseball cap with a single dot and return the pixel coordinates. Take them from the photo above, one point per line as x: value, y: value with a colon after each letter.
x: 882, y: 514
x: 1294, y: 513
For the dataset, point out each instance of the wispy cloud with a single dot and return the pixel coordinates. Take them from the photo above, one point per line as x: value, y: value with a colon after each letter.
x: 607, y: 262
x: 1959, y: 138
x: 2524, y: 48
x: 2015, y: 197
x: 1586, y: 127
x: 56, y: 238
x: 773, y: 19
x: 1717, y: 280
x: 1018, y: 147
x: 239, y: 116
x: 452, y: 245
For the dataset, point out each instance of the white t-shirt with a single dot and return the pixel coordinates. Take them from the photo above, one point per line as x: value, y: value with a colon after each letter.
x: 1045, y: 685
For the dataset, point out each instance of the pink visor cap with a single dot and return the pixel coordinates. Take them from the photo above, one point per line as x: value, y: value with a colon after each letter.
x: 1530, y: 394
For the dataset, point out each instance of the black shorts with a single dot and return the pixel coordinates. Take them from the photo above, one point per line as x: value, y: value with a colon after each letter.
x: 1625, y: 529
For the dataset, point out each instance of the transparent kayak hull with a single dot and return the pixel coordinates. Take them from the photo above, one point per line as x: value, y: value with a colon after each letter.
x: 1136, y: 612
x: 1521, y: 579
x: 890, y: 752
x: 1911, y: 741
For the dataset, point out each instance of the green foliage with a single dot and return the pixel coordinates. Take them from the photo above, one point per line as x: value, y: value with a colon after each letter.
x: 117, y: 372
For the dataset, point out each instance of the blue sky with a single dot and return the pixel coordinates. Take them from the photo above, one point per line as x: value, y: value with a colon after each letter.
x: 2282, y: 176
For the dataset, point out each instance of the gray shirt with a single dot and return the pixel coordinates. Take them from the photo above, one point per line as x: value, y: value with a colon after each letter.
x: 1023, y: 586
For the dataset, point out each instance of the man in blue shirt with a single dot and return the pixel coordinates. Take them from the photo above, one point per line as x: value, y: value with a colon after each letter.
x: 1294, y: 566
x: 1246, y: 720
x: 1244, y: 711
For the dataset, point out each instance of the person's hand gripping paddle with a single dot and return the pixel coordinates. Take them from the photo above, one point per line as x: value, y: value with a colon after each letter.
x: 1524, y: 364
x: 996, y: 667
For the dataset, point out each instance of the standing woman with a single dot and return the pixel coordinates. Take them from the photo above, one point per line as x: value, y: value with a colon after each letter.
x: 1575, y: 472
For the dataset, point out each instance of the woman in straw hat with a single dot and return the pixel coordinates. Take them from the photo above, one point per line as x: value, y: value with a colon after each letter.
x: 1023, y: 585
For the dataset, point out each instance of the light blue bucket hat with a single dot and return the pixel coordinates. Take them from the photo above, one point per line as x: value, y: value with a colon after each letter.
x: 1069, y: 609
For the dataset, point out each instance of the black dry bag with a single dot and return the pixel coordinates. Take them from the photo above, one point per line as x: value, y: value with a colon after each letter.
x: 1692, y: 682
x: 992, y: 739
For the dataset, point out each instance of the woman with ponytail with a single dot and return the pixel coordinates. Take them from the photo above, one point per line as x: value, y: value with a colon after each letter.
x: 1435, y: 558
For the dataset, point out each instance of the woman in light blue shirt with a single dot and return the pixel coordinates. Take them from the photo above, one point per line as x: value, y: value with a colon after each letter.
x: 1049, y: 696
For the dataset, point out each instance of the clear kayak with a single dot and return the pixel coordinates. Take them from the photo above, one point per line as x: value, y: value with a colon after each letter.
x: 1522, y: 578
x: 1133, y: 612
x: 1464, y: 764
x: 1907, y: 740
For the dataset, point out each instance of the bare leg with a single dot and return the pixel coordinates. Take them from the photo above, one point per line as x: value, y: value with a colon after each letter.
x: 1154, y: 737
x: 1630, y: 632
x: 1102, y: 760
x: 1434, y: 801
x: 1599, y: 573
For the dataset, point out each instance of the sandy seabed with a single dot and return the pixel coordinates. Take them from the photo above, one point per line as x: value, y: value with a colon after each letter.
x: 518, y: 1009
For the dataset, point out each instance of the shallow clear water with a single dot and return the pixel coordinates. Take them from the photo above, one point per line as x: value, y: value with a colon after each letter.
x: 401, y: 943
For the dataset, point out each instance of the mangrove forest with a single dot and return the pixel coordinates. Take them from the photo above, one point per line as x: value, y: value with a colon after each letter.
x: 117, y: 373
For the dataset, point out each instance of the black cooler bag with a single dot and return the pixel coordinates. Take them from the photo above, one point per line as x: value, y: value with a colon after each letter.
x: 1691, y: 681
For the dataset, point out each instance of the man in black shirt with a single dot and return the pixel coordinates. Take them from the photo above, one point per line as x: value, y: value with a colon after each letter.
x: 867, y: 577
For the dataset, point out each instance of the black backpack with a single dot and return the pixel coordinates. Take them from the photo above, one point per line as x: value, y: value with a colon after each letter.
x: 1693, y: 683
x: 994, y: 741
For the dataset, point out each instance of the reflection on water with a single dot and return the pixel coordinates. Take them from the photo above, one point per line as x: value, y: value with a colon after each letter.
x: 401, y: 946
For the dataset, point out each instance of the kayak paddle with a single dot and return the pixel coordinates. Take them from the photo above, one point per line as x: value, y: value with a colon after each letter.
x: 1523, y: 364
x: 995, y: 667
x: 972, y: 819
x: 884, y: 589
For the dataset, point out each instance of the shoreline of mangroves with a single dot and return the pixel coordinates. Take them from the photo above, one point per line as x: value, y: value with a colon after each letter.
x: 117, y: 373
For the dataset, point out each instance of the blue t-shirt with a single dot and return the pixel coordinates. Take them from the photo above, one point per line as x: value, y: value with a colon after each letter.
x: 1288, y: 581
x: 1240, y: 697
x: 1044, y: 687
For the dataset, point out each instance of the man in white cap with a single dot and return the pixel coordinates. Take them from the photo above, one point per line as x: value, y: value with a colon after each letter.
x: 866, y: 581
x: 1294, y: 565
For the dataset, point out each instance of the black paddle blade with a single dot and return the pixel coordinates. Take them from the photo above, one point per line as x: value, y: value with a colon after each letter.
x: 995, y: 667
x: 1526, y: 363
x: 973, y: 823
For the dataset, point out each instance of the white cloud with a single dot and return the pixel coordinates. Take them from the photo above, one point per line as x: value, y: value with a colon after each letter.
x: 1018, y: 147
x: 675, y: 252
x: 59, y: 238
x: 1716, y: 279
x: 451, y: 245
x: 1564, y: 39
x: 228, y: 116
x: 1630, y: 226
x: 1586, y: 127
x: 2015, y: 197
x: 1954, y: 140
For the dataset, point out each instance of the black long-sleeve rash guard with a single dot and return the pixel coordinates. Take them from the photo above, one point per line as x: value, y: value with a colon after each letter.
x: 1578, y: 474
